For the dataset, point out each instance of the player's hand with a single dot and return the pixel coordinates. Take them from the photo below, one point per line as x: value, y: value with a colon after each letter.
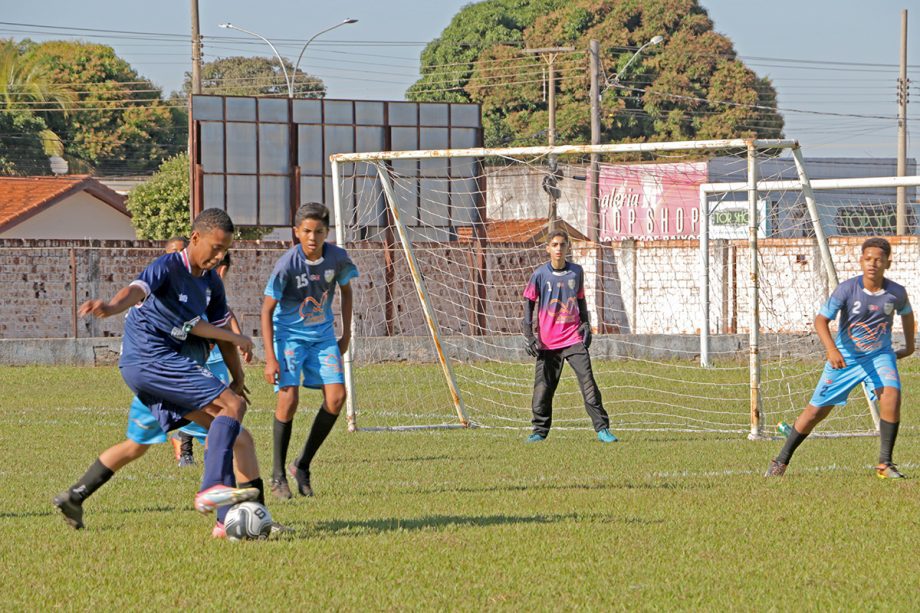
x: 531, y: 345
x: 585, y: 330
x: 96, y: 308
x: 244, y: 343
x: 272, y: 372
x: 240, y: 388
x: 247, y: 356
x: 344, y: 342
x: 835, y: 359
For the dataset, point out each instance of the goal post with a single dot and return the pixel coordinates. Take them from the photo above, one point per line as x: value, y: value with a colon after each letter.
x: 446, y: 240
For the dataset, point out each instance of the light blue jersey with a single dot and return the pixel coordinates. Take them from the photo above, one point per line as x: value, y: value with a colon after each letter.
x: 304, y: 291
x: 866, y: 318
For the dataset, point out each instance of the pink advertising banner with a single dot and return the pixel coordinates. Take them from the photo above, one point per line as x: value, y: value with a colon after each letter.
x: 650, y: 201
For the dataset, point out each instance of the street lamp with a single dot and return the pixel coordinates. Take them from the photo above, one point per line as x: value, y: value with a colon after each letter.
x: 615, y: 82
x: 287, y: 79
x: 344, y: 22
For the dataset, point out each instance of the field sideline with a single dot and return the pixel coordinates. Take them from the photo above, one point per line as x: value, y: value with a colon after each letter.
x: 456, y: 519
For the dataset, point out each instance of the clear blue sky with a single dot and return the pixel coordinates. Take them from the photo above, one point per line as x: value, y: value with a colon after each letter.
x: 824, y: 56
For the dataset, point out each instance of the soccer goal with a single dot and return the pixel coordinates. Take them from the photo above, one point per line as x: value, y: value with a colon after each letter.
x: 446, y: 240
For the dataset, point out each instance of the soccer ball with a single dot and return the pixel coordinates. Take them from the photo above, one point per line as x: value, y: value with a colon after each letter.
x: 247, y: 521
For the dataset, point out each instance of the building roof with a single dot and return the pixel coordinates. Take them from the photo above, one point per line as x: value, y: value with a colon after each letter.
x: 518, y: 231
x: 23, y: 197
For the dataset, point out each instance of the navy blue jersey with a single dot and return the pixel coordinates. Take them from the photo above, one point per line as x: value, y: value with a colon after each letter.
x: 304, y: 291
x: 866, y: 317
x: 175, y: 302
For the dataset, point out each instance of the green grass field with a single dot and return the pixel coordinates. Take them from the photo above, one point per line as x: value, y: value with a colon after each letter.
x: 455, y: 519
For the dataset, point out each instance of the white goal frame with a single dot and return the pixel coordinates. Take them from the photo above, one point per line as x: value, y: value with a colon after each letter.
x: 379, y: 159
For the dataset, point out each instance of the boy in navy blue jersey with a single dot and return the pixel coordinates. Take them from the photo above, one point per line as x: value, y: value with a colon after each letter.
x: 862, y: 353
x: 557, y: 290
x: 299, y: 338
x: 177, y: 295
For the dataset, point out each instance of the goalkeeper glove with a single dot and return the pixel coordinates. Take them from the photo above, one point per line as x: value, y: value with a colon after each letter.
x: 585, y: 330
x: 531, y: 344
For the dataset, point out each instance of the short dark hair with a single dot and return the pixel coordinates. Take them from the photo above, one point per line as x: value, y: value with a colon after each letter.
x: 213, y: 219
x: 554, y: 233
x: 312, y: 210
x: 178, y: 239
x: 879, y: 243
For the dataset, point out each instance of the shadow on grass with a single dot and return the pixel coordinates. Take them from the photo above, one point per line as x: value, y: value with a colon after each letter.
x: 531, y: 487
x: 435, y: 522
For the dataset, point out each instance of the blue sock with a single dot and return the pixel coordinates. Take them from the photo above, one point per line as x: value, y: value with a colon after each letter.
x: 218, y: 462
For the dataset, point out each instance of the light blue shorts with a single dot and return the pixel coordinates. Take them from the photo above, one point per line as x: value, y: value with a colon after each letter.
x: 877, y: 371
x: 318, y: 362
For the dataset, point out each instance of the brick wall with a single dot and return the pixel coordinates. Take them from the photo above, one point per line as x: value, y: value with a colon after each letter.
x: 632, y: 287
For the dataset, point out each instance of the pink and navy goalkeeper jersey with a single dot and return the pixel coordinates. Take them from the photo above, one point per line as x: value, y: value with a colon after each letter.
x: 175, y: 302
x: 865, y: 317
x: 556, y: 293
x: 304, y: 291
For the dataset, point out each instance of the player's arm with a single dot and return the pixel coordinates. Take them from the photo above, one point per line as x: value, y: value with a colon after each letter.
x: 207, y: 330
x: 123, y: 300
x: 907, y: 321
x: 584, y: 328
x: 531, y: 342
x: 272, y: 367
x: 235, y: 327
x: 235, y: 367
x: 346, y: 317
x: 822, y: 327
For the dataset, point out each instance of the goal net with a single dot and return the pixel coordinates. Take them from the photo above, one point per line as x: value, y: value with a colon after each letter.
x: 446, y: 240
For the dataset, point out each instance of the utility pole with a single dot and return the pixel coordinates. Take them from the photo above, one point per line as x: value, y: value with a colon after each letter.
x: 594, y: 218
x: 902, y: 130
x: 196, y: 50
x: 550, y: 182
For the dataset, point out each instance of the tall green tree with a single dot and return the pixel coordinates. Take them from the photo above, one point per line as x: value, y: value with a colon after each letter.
x: 254, y: 76
x: 119, y: 122
x: 692, y: 86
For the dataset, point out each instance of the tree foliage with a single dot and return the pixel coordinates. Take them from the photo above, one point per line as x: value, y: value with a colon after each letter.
x: 691, y: 86
x: 254, y: 76
x: 118, y: 122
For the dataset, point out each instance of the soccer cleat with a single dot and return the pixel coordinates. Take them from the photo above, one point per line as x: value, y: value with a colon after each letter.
x: 72, y: 511
x: 303, y: 480
x: 279, y: 529
x: 222, y: 495
x: 218, y: 531
x: 776, y: 469
x: 535, y: 438
x: 186, y: 460
x: 606, y: 436
x: 280, y: 488
x: 889, y: 471
x: 177, y: 446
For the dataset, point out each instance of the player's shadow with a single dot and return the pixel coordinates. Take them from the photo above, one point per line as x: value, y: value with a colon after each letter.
x: 529, y: 487
x: 435, y: 522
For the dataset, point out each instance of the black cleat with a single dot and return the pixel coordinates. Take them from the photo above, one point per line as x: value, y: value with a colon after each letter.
x: 72, y: 511
x: 279, y: 488
x: 303, y: 480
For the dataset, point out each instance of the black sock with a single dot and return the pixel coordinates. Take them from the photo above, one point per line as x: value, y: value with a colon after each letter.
x: 888, y: 432
x: 94, y: 478
x: 256, y: 483
x: 794, y: 439
x: 282, y: 437
x: 186, y: 443
x: 322, y: 426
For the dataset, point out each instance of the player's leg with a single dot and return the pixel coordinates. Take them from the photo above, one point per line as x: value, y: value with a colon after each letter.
x: 186, y: 453
x: 143, y: 430
x: 546, y: 380
x: 285, y: 407
x: 580, y: 361
x: 832, y: 390
x: 883, y: 378
x: 323, y: 367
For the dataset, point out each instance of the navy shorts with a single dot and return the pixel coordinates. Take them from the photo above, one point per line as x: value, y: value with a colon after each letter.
x: 171, y: 387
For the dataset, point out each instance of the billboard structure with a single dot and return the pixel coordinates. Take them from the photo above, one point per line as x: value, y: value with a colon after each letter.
x: 260, y: 158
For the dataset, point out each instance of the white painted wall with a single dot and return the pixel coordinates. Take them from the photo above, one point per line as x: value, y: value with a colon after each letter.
x: 77, y: 217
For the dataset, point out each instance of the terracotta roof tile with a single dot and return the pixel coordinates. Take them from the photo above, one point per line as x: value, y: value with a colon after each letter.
x: 22, y: 197
x: 517, y: 231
